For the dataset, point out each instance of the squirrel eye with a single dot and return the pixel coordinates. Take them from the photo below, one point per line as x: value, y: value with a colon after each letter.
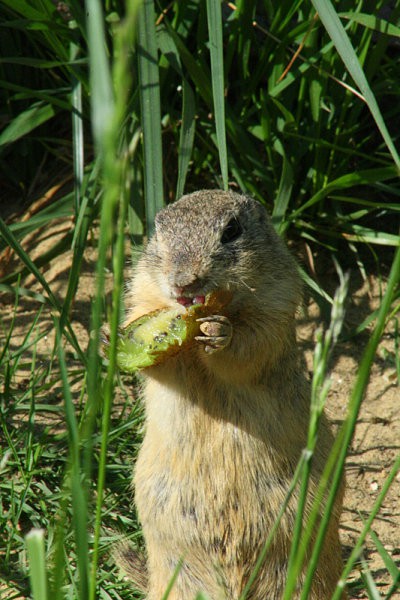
x: 231, y: 232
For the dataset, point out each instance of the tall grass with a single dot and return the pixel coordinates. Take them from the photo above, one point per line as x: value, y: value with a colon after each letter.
x: 137, y: 103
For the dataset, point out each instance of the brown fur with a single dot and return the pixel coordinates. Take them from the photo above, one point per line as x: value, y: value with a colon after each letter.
x: 132, y: 564
x: 225, y: 430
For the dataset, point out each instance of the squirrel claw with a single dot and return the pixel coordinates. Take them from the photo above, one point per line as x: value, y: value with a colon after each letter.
x: 212, y: 344
x: 214, y: 319
x: 217, y: 332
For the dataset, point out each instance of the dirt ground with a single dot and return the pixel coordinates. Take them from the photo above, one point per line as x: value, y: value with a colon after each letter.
x: 377, y: 438
x: 376, y: 442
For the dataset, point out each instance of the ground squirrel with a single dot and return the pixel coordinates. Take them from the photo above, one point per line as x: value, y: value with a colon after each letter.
x: 226, y: 419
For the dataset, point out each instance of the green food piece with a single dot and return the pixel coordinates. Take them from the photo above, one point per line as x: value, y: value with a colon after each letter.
x: 157, y: 336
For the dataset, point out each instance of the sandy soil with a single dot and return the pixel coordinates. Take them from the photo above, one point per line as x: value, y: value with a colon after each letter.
x: 376, y: 442
x: 377, y: 438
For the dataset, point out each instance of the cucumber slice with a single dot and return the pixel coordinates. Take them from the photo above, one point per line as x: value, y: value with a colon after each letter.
x: 153, y: 338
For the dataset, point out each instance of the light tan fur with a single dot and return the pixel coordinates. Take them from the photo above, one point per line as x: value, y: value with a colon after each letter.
x: 224, y: 429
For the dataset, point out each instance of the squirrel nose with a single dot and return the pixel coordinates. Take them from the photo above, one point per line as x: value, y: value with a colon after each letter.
x: 185, y: 279
x: 184, y: 286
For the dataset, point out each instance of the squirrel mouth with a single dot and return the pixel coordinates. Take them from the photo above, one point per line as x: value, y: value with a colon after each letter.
x: 189, y: 300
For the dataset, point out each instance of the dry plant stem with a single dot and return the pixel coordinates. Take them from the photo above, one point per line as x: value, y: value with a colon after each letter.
x: 300, y: 48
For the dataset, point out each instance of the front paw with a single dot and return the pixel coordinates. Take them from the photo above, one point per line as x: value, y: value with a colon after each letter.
x: 217, y: 332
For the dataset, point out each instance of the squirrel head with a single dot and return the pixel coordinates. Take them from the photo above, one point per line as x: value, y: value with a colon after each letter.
x: 216, y: 240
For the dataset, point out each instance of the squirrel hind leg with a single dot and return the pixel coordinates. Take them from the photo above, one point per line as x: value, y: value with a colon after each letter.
x: 132, y: 563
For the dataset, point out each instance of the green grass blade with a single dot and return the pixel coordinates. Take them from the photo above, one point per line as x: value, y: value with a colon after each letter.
x: 150, y: 112
x: 394, y: 588
x: 316, y: 290
x: 37, y: 563
x: 39, y: 63
x: 372, y: 22
x: 366, y: 575
x: 31, y: 94
x: 55, y: 210
x: 171, y: 582
x: 78, y: 11
x: 346, y: 181
x: 251, y: 165
x: 214, y: 19
x: 319, y: 390
x: 338, y: 35
x: 77, y: 134
x: 26, y: 122
x: 102, y: 98
x: 186, y: 137
x: 25, y: 9
x: 33, y: 266
x: 79, y: 494
x: 58, y: 566
x: 355, y: 232
x: 188, y: 125
x: 198, y: 72
x: 385, y: 556
x: 113, y: 210
x: 84, y: 218
x: 282, y: 199
x: 105, y: 126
